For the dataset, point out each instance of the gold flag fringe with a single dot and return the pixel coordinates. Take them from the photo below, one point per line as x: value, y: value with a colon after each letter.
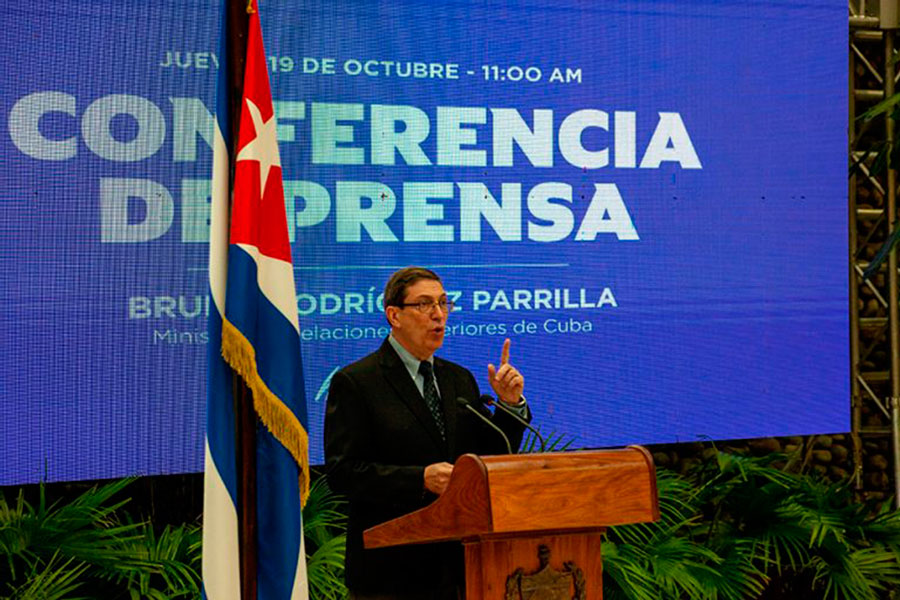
x: 278, y: 418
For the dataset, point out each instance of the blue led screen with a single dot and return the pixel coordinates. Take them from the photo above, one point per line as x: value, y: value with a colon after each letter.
x: 648, y: 198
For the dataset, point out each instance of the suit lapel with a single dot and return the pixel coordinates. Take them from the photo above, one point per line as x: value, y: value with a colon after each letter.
x: 398, y: 377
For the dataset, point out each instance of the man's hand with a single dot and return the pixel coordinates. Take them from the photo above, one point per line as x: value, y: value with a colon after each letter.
x: 507, y: 382
x: 437, y: 476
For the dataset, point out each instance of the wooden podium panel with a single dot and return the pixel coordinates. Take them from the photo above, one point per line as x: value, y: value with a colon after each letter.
x: 490, y: 562
x: 531, y: 520
x: 570, y: 489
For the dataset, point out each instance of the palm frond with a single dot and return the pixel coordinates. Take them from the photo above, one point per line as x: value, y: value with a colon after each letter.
x: 884, y: 527
x: 680, y: 567
x: 859, y: 575
x: 164, y: 564
x: 85, y: 528
x: 735, y: 577
x: 553, y: 442
x: 625, y: 572
x: 325, y: 570
x: 55, y: 580
x: 323, y: 515
x: 882, y: 107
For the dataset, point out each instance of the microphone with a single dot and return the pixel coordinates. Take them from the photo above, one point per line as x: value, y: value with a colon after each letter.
x: 485, y: 399
x: 463, y: 403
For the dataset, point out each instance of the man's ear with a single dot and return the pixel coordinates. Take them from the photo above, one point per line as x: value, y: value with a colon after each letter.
x: 391, y: 314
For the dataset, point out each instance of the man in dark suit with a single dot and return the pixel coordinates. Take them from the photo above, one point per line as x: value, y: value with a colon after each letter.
x: 393, y: 428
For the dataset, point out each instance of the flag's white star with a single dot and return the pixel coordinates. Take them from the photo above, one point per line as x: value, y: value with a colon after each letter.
x: 263, y: 148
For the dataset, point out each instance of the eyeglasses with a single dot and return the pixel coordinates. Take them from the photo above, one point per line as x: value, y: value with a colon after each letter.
x: 426, y: 306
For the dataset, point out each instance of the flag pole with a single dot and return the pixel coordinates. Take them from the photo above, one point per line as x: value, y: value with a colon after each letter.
x: 245, y: 415
x: 238, y: 28
x: 246, y: 471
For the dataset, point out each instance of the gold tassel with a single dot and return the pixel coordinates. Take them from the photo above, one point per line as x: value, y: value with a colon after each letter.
x: 250, y: 10
x: 278, y: 418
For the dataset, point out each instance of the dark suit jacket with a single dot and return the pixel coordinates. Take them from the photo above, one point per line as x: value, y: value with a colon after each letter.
x: 379, y: 436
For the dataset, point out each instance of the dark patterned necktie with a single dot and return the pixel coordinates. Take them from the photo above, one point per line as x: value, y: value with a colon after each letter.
x: 432, y: 400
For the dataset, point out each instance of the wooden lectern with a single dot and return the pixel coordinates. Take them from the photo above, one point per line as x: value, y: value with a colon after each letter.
x: 531, y: 524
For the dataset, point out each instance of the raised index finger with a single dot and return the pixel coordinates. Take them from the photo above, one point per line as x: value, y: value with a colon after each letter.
x: 504, y: 354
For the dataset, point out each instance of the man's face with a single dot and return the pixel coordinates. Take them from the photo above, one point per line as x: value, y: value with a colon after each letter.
x: 420, y: 333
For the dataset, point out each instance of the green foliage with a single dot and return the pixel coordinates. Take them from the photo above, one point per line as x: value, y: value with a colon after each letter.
x: 672, y: 555
x: 738, y: 527
x: 51, y: 581
x: 83, y: 548
x: 553, y: 442
x: 889, y: 104
x: 88, y: 548
x: 169, y: 563
x: 324, y: 527
x: 734, y: 528
x: 325, y: 570
x: 84, y: 529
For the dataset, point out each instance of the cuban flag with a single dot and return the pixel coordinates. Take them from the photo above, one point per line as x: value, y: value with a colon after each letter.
x: 254, y: 332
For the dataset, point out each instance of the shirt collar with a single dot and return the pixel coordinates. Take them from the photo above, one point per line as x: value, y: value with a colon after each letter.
x: 409, y: 361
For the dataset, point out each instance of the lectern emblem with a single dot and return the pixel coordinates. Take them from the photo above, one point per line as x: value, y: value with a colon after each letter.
x: 546, y: 583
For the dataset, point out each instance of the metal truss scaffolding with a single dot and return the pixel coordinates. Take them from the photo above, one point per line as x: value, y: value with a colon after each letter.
x: 874, y: 332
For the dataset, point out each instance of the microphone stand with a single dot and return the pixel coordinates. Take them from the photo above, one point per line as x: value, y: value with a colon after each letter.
x: 465, y: 404
x: 502, y: 406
